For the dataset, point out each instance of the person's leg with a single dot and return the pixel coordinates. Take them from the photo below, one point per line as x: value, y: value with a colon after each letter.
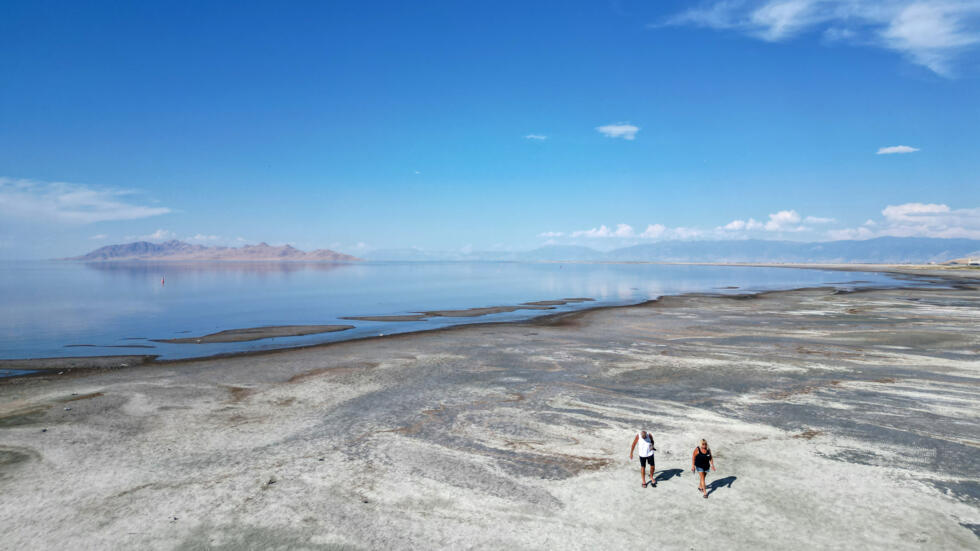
x: 643, y: 474
x: 701, y: 485
x: 652, y: 469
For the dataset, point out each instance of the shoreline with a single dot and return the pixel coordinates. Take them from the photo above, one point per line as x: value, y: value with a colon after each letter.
x: 816, y: 402
x: 42, y: 366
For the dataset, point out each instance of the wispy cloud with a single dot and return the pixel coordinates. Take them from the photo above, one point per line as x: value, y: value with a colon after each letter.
x: 99, y: 236
x: 622, y: 130
x: 551, y: 234
x: 818, y: 220
x: 70, y: 203
x: 896, y: 149
x: 539, y: 137
x: 930, y: 34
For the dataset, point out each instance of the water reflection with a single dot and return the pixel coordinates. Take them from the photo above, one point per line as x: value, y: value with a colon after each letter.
x: 47, y: 305
x: 148, y: 269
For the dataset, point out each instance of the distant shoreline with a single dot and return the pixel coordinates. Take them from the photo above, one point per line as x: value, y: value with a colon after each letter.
x: 45, y: 365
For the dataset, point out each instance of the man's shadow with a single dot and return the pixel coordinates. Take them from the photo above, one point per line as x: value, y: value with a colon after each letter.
x: 721, y: 482
x: 668, y: 474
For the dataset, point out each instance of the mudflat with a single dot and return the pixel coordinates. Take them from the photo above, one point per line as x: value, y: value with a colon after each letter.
x: 837, y: 420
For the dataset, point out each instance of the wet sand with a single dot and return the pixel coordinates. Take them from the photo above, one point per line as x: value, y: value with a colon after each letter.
x: 838, y: 420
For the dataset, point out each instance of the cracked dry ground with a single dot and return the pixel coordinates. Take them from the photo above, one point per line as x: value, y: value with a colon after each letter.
x: 837, y: 419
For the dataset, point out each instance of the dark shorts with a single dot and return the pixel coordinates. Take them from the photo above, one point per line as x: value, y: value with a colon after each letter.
x: 645, y: 460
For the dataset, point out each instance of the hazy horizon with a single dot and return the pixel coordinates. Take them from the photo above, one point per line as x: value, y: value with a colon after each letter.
x: 503, y: 127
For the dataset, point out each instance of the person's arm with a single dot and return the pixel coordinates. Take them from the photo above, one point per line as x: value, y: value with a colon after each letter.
x: 633, y: 447
x: 693, y: 456
x: 712, y: 459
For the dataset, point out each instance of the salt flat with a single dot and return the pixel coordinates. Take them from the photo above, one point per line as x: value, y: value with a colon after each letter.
x: 838, y: 420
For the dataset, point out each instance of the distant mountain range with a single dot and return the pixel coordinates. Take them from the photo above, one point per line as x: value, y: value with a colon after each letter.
x: 882, y: 250
x: 179, y: 250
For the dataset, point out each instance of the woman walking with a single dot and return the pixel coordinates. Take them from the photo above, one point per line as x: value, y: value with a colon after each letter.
x: 700, y: 461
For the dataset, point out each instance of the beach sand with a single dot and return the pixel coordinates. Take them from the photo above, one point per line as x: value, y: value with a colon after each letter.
x: 837, y: 420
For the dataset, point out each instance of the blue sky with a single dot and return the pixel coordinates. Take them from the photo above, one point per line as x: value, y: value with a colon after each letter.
x: 507, y: 125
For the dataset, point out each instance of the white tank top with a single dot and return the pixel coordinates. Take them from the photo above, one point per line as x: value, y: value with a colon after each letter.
x: 645, y: 447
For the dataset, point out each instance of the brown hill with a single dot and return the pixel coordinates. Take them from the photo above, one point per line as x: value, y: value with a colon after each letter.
x: 178, y: 250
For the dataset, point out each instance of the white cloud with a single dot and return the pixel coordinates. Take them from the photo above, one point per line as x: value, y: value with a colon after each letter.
x: 622, y: 130
x: 539, y: 137
x: 622, y: 230
x: 69, y: 203
x: 159, y: 235
x: 851, y: 234
x: 739, y: 225
x: 681, y: 232
x: 551, y: 234
x: 654, y: 231
x: 910, y: 212
x: 818, y: 220
x: 891, y: 150
x: 930, y: 34
x: 784, y: 220
x: 99, y: 236
x: 202, y: 238
x: 918, y: 220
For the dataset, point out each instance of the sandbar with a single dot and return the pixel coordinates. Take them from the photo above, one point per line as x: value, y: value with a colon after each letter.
x: 258, y: 333
x: 403, y: 317
x: 472, y: 312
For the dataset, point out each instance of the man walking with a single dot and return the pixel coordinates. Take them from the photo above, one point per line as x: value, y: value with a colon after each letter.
x: 645, y: 439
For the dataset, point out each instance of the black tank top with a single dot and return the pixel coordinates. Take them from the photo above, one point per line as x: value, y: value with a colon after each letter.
x: 702, y: 460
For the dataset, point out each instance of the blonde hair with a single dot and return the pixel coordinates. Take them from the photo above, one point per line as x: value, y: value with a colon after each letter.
x: 706, y: 446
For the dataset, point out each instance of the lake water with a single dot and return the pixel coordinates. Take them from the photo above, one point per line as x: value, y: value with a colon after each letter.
x: 51, y: 308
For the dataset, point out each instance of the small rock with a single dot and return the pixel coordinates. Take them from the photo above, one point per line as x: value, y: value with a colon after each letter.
x: 321, y: 459
x: 123, y: 365
x: 44, y: 430
x: 67, y: 409
x: 271, y: 481
x: 61, y: 373
x: 174, y: 519
x: 74, y: 394
x: 364, y: 500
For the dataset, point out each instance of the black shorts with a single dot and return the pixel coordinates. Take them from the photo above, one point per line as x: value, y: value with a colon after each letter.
x: 645, y: 460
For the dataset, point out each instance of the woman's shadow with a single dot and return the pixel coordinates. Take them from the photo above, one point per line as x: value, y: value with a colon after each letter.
x: 721, y: 482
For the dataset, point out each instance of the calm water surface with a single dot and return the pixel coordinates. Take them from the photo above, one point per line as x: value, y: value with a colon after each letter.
x: 49, y: 308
